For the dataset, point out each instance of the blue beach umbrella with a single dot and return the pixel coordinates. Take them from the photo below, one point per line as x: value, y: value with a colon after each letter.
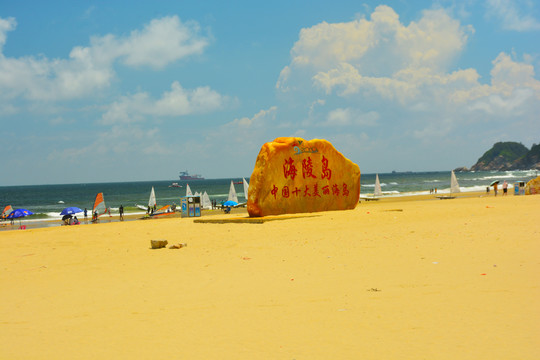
x: 230, y: 203
x: 71, y: 210
x: 19, y: 213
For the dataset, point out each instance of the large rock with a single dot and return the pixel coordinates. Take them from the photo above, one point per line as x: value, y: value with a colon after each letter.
x: 533, y: 186
x: 292, y: 175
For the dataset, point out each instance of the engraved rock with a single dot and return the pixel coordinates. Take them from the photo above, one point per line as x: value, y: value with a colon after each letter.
x: 292, y: 175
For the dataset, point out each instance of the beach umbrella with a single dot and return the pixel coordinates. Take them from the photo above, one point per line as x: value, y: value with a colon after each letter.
x: 230, y: 203
x: 71, y: 210
x: 494, y: 182
x: 19, y: 213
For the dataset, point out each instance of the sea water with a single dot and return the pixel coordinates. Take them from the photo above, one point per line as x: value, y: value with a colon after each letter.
x: 47, y: 201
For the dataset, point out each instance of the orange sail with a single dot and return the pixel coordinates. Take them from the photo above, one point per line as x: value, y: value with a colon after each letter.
x: 7, y: 210
x: 164, y: 210
x: 99, y: 205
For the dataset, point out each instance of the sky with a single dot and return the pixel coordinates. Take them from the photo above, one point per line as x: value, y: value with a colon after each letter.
x: 106, y: 91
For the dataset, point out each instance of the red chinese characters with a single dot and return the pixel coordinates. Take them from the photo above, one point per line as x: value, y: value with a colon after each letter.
x: 289, y: 169
x: 307, y: 168
x: 326, y: 172
x: 311, y: 190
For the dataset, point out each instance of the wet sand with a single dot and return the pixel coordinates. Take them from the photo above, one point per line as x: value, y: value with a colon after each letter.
x: 398, y: 278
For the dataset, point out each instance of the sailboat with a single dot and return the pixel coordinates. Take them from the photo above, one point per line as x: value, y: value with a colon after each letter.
x: 152, y: 200
x: 246, y: 188
x: 99, y: 207
x: 454, y: 186
x: 377, y: 191
x: 206, y: 203
x: 232, y: 194
x: 152, y: 203
x: 188, y: 190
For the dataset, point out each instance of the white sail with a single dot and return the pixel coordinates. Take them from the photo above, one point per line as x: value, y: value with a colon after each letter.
x: 377, y: 191
x: 246, y: 188
x: 206, y: 203
x: 232, y: 193
x: 454, y: 186
x: 152, y: 200
x: 188, y: 190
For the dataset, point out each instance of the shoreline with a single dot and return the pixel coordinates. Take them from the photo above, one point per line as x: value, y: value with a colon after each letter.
x: 45, y: 223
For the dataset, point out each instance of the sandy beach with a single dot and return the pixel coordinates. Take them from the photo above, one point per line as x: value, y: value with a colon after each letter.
x: 399, y: 278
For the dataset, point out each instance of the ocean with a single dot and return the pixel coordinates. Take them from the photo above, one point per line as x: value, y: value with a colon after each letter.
x: 47, y: 201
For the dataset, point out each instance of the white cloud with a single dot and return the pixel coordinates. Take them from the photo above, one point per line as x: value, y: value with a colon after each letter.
x: 6, y: 25
x: 257, y: 121
x: 88, y: 69
x: 160, y: 43
x: 349, y: 117
x: 378, y: 47
x: 511, y: 16
x: 403, y: 66
x: 381, y: 57
x: 177, y: 102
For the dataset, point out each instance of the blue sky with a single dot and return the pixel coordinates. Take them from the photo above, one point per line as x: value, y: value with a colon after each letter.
x: 120, y: 91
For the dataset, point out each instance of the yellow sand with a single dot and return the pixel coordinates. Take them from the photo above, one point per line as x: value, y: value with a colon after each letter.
x: 422, y: 279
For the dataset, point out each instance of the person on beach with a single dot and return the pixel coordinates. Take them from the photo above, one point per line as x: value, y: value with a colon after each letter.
x: 121, y: 211
x: 495, y: 186
x: 85, y: 213
x: 505, y: 188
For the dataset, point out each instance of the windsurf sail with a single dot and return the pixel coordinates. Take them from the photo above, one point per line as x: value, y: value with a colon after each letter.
x: 99, y: 205
x: 7, y: 210
x: 454, y: 186
x: 377, y: 191
x: 152, y: 200
x: 164, y: 210
x: 246, y: 188
x: 188, y: 190
x: 232, y: 193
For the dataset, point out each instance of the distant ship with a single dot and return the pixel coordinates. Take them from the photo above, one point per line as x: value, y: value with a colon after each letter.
x: 184, y: 175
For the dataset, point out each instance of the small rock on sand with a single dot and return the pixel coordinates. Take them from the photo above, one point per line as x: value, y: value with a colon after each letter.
x: 157, y: 244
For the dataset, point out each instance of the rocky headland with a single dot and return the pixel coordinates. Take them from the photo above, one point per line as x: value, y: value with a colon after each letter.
x: 504, y: 156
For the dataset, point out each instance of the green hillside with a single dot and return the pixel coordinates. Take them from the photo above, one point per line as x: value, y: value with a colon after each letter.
x: 509, y: 156
x: 507, y: 151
